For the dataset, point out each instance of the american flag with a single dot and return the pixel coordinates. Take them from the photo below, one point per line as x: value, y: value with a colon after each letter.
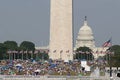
x: 46, y: 51
x: 61, y: 51
x: 82, y: 52
x: 21, y: 51
x: 54, y: 51
x: 96, y: 52
x: 9, y: 51
x: 111, y: 53
x: 101, y: 52
x: 67, y: 51
x: 36, y: 51
x: 87, y: 52
x: 25, y: 51
x: 30, y: 52
x: 107, y: 43
x: 15, y: 51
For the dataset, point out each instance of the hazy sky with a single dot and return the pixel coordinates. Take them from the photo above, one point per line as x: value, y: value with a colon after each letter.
x: 29, y: 20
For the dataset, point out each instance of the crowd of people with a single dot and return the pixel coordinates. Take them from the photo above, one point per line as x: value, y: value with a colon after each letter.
x: 33, y: 67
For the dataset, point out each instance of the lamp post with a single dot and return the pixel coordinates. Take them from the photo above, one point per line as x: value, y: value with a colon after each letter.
x: 22, y: 55
x: 110, y: 64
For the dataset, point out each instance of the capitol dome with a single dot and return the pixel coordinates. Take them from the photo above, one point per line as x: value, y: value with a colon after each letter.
x: 85, y: 36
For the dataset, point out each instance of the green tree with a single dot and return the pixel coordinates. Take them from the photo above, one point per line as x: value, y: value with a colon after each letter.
x: 44, y: 56
x: 11, y: 45
x: 84, y: 53
x: 27, y: 45
x: 114, y: 58
x: 2, y: 51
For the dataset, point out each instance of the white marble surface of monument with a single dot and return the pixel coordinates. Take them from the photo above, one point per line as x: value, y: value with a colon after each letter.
x: 60, y: 45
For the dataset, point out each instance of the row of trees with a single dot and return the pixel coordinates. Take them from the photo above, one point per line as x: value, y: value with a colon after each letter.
x: 113, y: 59
x: 13, y: 46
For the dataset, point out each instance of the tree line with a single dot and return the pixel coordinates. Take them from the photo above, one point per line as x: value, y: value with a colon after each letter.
x: 112, y: 59
x: 24, y: 46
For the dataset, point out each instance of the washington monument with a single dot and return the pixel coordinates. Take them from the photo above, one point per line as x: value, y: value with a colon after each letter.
x: 61, y: 46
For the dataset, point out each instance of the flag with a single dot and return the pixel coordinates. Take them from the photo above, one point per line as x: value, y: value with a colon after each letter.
x: 113, y: 53
x: 109, y: 52
x: 91, y: 52
x: 80, y: 52
x: 87, y: 52
x: 46, y: 51
x: 61, y: 51
x: 105, y: 52
x: 15, y: 51
x: 41, y: 51
x: 30, y: 52
x: 107, y: 43
x: 54, y: 51
x: 96, y: 52
x: 74, y: 51
x: 9, y: 51
x: 67, y: 51
x: 101, y: 52
x: 21, y: 51
x: 35, y: 52
x: 25, y: 51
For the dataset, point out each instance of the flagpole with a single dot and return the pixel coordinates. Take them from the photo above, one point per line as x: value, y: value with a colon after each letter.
x: 9, y: 55
x: 22, y: 55
x: 14, y: 55
x: 110, y: 60
x: 32, y: 55
x: 80, y: 56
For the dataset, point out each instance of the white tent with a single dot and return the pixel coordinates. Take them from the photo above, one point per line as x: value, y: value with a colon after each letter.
x: 18, y: 65
x: 38, y: 70
x: 84, y: 64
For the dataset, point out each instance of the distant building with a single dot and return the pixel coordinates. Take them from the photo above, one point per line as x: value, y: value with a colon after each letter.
x: 85, y: 38
x: 42, y: 49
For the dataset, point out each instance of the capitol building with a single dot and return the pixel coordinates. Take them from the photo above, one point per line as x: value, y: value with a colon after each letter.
x: 85, y: 38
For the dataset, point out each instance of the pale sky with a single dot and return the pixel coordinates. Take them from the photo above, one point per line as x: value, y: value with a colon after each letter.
x: 29, y: 20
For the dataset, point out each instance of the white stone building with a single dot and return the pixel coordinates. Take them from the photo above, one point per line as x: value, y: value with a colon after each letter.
x: 86, y: 38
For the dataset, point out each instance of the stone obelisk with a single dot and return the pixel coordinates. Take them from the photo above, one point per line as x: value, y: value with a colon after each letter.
x: 60, y: 45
